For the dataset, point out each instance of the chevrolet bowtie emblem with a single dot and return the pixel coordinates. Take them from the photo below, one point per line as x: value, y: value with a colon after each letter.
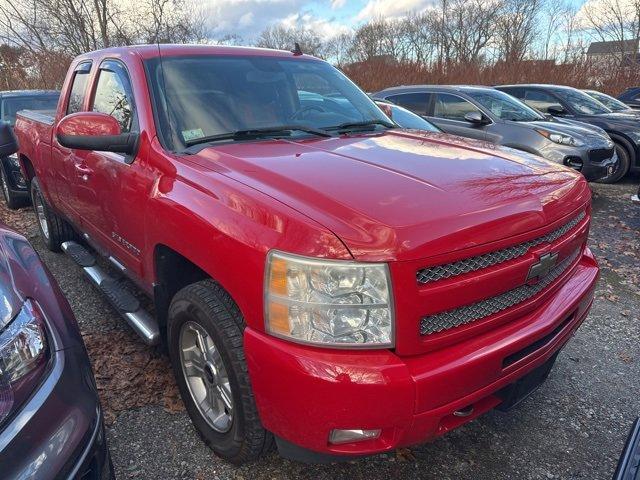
x: 542, y: 268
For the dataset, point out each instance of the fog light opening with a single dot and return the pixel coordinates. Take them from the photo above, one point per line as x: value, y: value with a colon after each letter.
x: 573, y: 162
x: 337, y: 437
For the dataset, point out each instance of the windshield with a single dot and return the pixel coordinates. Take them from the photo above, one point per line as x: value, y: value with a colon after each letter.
x: 208, y: 96
x: 11, y: 106
x: 611, y: 103
x: 581, y: 102
x: 406, y: 119
x: 504, y: 106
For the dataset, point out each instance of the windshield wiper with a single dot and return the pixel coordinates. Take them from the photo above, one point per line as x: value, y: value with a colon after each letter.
x: 368, y: 125
x: 249, y: 134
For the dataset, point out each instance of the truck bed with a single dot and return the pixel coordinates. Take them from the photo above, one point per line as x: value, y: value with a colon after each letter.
x: 41, y: 116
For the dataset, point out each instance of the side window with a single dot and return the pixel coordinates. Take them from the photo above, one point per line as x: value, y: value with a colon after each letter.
x: 113, y: 94
x: 539, y: 100
x: 452, y: 107
x: 78, y: 87
x: 416, y: 102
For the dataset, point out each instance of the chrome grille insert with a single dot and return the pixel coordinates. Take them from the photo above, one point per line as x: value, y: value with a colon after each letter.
x: 484, y: 308
x: 440, y: 272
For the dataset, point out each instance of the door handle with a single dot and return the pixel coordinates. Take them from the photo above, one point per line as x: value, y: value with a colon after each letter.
x: 83, y: 172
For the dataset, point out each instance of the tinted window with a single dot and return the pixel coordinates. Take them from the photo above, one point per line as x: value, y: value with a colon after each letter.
x: 11, y: 106
x: 113, y: 94
x: 416, y: 102
x: 540, y: 100
x: 203, y: 96
x: 611, y: 103
x: 78, y: 88
x: 452, y: 107
x: 407, y: 119
x: 581, y: 102
x: 504, y: 106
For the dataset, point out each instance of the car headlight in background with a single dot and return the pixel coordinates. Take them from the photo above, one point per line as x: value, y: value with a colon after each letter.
x: 24, y: 354
x: 328, y: 302
x: 560, y: 138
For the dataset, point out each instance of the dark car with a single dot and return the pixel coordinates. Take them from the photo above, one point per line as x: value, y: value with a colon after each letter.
x: 487, y: 114
x: 612, y: 103
x: 631, y: 97
x: 50, y: 418
x: 571, y: 103
x: 406, y: 118
x: 14, y: 188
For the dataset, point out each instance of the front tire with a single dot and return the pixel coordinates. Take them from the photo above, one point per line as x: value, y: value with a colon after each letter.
x: 12, y: 200
x: 54, y: 230
x: 206, y: 350
x: 621, y: 168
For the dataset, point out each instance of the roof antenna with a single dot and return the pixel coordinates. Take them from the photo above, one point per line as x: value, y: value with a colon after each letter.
x: 296, y: 49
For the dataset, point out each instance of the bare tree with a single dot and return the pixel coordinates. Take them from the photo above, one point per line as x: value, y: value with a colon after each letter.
x: 516, y: 28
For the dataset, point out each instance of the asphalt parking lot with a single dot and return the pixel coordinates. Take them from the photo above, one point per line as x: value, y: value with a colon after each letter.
x: 573, y: 427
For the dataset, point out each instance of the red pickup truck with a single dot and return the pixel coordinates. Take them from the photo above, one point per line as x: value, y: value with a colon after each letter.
x: 320, y: 277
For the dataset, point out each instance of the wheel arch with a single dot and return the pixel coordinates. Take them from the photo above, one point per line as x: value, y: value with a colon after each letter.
x: 628, y: 146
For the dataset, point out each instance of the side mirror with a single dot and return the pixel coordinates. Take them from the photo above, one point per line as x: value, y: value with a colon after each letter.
x: 556, y: 110
x: 95, y: 131
x: 476, y: 117
x: 8, y: 140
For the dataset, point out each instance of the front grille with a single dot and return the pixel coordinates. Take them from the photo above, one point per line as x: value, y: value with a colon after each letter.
x: 600, y: 155
x: 440, y: 272
x: 477, y: 311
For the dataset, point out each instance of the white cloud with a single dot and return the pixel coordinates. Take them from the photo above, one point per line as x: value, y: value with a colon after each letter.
x: 391, y: 8
x: 337, y: 4
x: 324, y: 27
x: 247, y: 18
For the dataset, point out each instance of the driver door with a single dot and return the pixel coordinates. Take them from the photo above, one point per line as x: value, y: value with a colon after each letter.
x: 448, y: 114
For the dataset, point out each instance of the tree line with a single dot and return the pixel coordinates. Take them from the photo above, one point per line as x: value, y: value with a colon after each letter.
x: 453, y: 41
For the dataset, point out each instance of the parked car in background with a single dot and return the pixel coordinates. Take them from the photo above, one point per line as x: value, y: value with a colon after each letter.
x: 570, y: 103
x: 487, y: 114
x: 320, y: 277
x: 612, y: 103
x: 50, y: 418
x: 405, y: 118
x: 631, y: 97
x: 629, y: 463
x: 14, y: 188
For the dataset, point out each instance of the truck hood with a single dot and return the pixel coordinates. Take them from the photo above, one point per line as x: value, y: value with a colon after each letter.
x: 403, y: 195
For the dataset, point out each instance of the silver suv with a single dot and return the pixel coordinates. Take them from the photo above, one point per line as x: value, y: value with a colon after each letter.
x: 487, y: 114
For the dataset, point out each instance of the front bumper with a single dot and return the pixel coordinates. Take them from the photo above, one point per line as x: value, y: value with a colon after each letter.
x: 302, y: 393
x: 59, y: 432
x: 592, y: 169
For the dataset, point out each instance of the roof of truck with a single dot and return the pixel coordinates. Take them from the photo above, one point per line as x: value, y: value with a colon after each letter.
x: 169, y: 50
x: 27, y: 93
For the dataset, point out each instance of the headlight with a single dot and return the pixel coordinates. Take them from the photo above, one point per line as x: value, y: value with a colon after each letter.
x: 13, y: 159
x: 560, y: 138
x: 23, y: 357
x: 328, y: 302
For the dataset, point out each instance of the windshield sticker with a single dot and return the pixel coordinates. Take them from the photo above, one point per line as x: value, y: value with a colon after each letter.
x: 188, y: 135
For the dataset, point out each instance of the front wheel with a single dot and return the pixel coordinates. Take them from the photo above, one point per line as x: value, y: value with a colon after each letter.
x: 207, y: 355
x: 13, y: 200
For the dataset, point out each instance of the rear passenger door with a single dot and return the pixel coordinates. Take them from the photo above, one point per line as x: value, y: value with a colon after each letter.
x: 448, y: 114
x: 111, y: 187
x: 417, y: 103
x: 62, y: 172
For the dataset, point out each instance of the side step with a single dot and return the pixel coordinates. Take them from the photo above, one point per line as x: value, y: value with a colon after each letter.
x: 124, y: 302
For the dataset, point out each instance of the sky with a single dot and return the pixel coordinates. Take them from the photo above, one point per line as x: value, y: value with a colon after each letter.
x: 247, y: 18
